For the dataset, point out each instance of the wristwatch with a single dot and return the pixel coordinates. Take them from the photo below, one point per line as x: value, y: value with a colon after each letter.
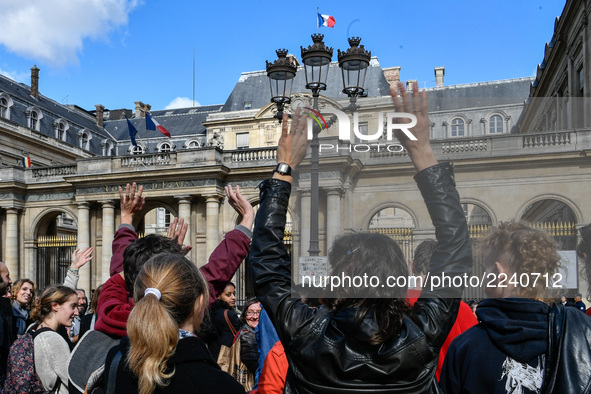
x: 283, y: 169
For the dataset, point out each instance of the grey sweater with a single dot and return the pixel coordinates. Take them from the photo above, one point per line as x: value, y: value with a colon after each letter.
x: 52, y: 355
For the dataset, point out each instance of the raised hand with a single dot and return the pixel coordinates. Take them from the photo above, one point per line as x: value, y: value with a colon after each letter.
x: 241, y: 205
x: 293, y: 145
x: 81, y: 257
x: 131, y: 202
x: 420, y: 150
x: 177, y: 232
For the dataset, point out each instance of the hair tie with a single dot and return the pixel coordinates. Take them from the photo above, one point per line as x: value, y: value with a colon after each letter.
x: 153, y: 290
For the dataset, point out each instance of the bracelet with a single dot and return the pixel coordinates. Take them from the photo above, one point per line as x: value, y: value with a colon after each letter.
x: 73, y: 270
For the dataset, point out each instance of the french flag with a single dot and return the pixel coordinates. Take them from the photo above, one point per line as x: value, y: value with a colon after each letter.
x: 152, y: 124
x: 326, y: 20
x: 26, y: 162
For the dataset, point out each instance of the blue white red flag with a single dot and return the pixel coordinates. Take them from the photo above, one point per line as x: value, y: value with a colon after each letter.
x: 326, y: 20
x: 152, y: 124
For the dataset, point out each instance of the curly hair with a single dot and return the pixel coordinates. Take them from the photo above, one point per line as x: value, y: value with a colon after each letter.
x: 522, y: 249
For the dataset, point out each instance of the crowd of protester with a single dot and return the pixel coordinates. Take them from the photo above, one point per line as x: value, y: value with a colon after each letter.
x: 159, y: 324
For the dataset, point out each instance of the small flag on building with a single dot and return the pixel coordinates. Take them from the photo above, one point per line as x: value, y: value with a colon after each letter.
x: 26, y: 162
x: 152, y: 124
x: 326, y: 20
x: 132, y: 131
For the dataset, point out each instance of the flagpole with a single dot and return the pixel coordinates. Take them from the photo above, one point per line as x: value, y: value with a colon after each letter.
x: 317, y: 21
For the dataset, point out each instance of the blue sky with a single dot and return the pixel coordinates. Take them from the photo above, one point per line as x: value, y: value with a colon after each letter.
x: 115, y: 52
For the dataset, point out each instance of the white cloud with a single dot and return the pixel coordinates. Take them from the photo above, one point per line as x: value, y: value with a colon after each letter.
x: 17, y: 76
x: 54, y: 31
x: 181, y: 102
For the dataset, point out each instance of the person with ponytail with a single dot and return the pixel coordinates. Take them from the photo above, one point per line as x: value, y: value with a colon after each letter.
x: 56, y: 307
x: 161, y: 353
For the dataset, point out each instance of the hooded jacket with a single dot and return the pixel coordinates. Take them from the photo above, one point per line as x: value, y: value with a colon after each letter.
x: 511, y: 340
x: 326, y: 350
x: 526, y: 346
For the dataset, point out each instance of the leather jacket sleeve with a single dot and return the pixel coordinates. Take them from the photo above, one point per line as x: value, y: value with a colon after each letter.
x: 433, y: 312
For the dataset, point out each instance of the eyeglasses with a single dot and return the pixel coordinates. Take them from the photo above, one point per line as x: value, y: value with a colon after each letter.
x: 253, y: 313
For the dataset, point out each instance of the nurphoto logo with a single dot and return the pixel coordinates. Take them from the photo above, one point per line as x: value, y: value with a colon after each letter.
x: 345, y: 131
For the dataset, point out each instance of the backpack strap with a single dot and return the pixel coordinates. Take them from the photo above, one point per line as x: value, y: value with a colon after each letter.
x: 113, y: 372
x: 232, y: 329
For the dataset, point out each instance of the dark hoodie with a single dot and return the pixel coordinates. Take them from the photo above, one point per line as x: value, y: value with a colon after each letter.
x: 505, y: 353
x: 215, y: 330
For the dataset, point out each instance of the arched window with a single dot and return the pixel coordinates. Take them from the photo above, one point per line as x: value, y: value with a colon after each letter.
x: 164, y: 147
x: 457, y: 127
x: 495, y: 124
x: 5, y: 105
x: 107, y: 147
x: 34, y: 117
x: 84, y: 137
x: 61, y: 129
x: 137, y: 150
x: 34, y: 121
x: 192, y: 144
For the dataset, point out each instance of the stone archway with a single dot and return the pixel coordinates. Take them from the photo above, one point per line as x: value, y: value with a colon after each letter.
x: 55, y: 241
x: 398, y: 224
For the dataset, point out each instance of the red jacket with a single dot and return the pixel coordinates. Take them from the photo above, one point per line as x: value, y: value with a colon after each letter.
x: 114, y: 305
x: 272, y: 379
x: 464, y: 321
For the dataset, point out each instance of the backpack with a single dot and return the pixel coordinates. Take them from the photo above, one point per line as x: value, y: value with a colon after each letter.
x: 21, y: 376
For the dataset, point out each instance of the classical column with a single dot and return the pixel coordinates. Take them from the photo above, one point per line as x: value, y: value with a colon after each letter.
x: 212, y: 212
x: 11, y: 253
x: 185, y: 213
x: 333, y: 216
x: 84, y: 242
x: 108, y: 235
x: 305, y: 207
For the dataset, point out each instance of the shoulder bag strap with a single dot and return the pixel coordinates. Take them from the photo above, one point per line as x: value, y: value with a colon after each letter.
x: 230, y: 325
x: 113, y: 372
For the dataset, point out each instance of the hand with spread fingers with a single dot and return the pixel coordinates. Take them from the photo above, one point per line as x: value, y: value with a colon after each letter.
x: 416, y: 103
x: 80, y: 258
x: 293, y: 145
x: 131, y: 203
x: 177, y: 232
x: 241, y: 206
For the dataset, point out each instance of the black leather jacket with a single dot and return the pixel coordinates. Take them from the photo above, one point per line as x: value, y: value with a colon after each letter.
x: 322, y: 358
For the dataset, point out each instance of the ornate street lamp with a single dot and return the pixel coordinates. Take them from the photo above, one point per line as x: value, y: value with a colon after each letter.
x: 354, y: 63
x: 281, y: 74
x: 316, y: 58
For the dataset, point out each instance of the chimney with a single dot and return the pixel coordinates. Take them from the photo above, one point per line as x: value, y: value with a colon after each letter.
x: 392, y: 75
x: 439, y: 74
x: 35, y: 82
x: 410, y: 85
x: 100, y: 111
x: 141, y: 109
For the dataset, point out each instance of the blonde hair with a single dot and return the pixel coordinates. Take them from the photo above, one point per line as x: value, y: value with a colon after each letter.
x: 52, y: 294
x: 16, y: 287
x: 153, y: 325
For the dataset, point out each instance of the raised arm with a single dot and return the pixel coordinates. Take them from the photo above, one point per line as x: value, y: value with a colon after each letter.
x: 435, y: 311
x: 131, y: 202
x: 78, y: 260
x: 227, y: 256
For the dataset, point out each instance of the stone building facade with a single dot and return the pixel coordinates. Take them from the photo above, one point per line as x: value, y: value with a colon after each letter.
x: 507, y: 166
